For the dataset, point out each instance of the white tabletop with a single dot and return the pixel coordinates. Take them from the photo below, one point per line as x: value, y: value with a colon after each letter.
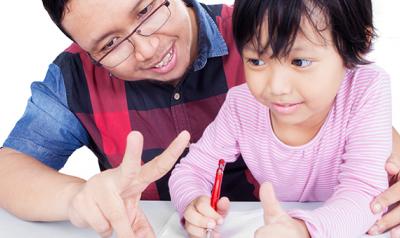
x: 160, y: 214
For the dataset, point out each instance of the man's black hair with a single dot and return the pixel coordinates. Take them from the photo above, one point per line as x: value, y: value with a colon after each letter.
x: 56, y: 10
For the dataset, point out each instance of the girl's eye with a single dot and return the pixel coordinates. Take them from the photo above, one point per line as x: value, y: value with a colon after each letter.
x: 301, y: 62
x: 145, y: 10
x: 256, y: 62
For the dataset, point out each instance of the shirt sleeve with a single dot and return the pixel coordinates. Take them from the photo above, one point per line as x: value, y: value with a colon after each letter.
x: 194, y: 175
x: 48, y: 130
x: 362, y: 175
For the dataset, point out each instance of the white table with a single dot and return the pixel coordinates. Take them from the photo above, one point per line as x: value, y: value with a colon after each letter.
x: 158, y: 213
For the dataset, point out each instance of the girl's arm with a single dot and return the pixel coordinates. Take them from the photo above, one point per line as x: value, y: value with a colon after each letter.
x: 194, y: 175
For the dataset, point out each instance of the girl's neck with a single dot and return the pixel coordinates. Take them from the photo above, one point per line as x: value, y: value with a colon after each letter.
x: 299, y: 134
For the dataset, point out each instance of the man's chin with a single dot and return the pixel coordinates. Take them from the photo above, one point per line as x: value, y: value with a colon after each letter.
x: 173, y: 78
x: 165, y: 81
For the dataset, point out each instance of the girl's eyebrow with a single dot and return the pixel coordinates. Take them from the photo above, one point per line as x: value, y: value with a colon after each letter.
x: 299, y: 48
x: 249, y: 47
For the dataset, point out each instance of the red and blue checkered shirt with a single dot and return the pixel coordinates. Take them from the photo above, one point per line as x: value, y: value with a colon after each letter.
x: 79, y: 104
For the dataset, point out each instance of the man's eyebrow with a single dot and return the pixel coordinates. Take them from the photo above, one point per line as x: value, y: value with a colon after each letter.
x: 100, y: 38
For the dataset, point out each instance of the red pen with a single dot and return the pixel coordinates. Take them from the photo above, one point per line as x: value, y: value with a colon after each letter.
x: 216, y: 191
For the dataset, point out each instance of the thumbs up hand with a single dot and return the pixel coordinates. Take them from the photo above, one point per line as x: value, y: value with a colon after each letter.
x: 109, y: 201
x: 277, y: 223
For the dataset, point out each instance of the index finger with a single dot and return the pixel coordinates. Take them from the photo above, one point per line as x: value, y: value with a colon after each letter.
x: 387, y: 198
x: 162, y: 164
x: 131, y: 161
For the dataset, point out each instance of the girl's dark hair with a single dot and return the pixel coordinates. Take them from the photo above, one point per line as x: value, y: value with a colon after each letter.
x: 56, y: 10
x: 350, y: 23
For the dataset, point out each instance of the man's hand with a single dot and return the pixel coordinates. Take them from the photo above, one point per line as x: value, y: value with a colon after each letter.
x: 109, y: 201
x: 277, y: 222
x: 391, y: 197
x: 200, y: 216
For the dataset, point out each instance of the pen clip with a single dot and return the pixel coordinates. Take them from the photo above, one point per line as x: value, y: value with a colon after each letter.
x: 221, y: 164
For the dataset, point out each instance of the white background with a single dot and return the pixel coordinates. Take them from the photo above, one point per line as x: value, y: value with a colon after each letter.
x: 29, y: 42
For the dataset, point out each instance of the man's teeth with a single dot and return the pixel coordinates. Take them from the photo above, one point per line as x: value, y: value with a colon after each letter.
x: 167, y: 58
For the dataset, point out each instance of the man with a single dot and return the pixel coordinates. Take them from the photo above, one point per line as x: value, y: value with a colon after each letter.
x: 154, y: 66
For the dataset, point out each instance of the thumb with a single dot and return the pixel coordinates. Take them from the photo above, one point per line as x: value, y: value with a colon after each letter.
x: 393, y: 164
x: 271, y: 206
x: 223, y: 206
x: 131, y: 163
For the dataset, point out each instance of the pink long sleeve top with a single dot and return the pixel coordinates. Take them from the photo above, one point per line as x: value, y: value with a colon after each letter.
x: 343, y: 165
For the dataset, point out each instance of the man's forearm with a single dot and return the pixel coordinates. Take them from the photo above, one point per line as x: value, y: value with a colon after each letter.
x: 33, y: 191
x: 396, y: 142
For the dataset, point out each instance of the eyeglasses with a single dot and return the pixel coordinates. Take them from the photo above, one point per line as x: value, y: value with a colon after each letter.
x: 124, y: 48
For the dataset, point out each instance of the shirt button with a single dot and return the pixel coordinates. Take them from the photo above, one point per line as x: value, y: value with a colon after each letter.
x: 177, y: 96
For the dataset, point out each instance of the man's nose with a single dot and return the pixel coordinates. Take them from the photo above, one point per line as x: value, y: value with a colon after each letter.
x: 145, y: 46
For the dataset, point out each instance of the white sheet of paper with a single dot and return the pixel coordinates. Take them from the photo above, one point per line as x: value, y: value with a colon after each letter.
x: 238, y: 224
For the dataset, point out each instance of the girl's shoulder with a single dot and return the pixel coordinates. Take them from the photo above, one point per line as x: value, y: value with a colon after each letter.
x: 361, y: 84
x: 363, y: 79
x: 366, y: 75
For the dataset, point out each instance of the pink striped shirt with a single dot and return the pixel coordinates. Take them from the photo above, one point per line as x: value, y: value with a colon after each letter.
x: 342, y: 165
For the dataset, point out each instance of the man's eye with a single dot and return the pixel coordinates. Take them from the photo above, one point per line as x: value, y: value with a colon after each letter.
x: 301, y: 62
x: 110, y: 44
x: 145, y: 10
x: 256, y: 62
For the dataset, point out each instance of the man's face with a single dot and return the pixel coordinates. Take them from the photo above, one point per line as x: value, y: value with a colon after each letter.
x: 165, y: 55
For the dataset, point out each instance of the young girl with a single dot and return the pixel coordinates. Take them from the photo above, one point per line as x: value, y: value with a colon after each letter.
x: 314, y: 119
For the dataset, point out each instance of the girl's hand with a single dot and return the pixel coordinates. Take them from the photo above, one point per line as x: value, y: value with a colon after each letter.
x: 277, y: 222
x: 200, y: 216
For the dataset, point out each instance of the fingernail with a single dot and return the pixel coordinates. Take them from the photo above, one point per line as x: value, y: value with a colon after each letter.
x: 377, y: 208
x: 374, y: 230
x: 211, y: 225
x: 220, y: 221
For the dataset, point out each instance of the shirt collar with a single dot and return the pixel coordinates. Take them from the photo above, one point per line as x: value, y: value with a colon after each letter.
x: 211, y: 43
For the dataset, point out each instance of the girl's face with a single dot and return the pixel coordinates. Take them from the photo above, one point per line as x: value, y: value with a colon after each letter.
x: 300, y: 88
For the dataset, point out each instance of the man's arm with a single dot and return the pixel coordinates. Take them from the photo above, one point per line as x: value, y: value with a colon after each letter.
x: 107, y: 202
x: 391, y: 195
x: 33, y: 191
